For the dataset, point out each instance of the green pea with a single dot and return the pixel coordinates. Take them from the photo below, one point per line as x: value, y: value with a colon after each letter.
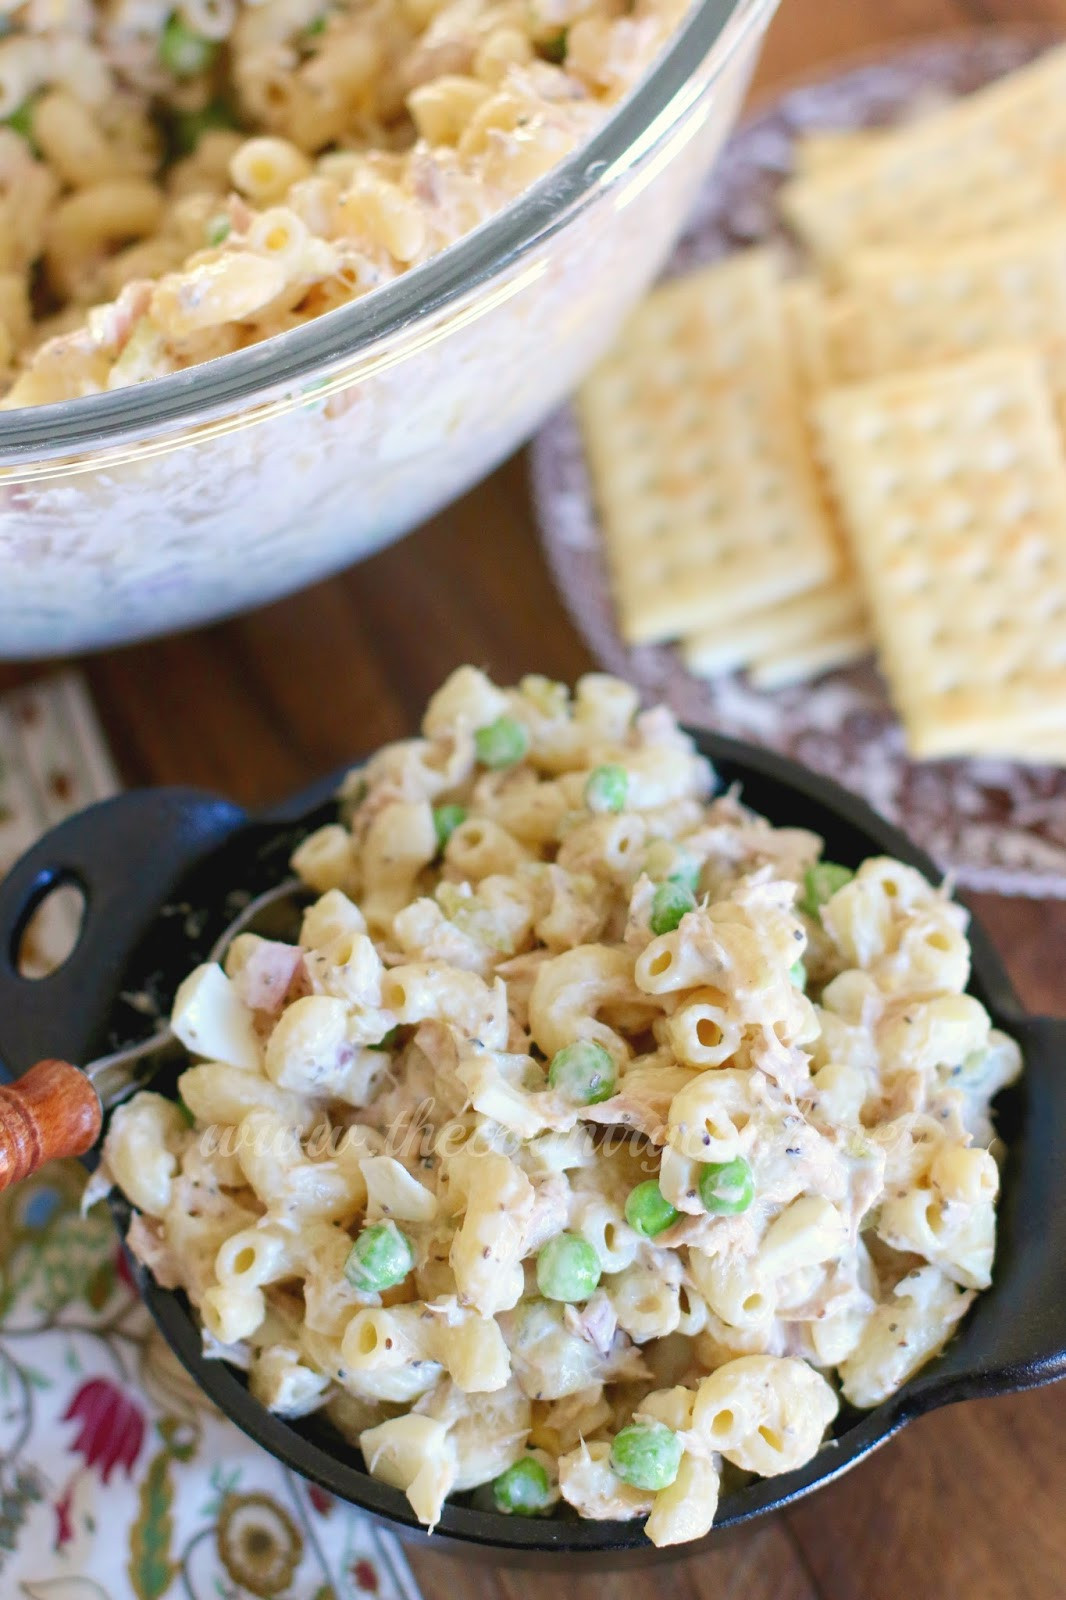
x: 184, y: 53
x: 646, y: 1455
x: 387, y: 1041
x: 379, y: 1259
x: 664, y: 862
x: 568, y: 1268
x: 670, y: 903
x: 190, y: 1120
x: 820, y: 883
x: 216, y: 229
x: 798, y: 973
x: 687, y: 874
x: 554, y: 49
x: 502, y: 743
x: 313, y: 29
x: 583, y: 1071
x: 21, y: 122
x: 607, y: 788
x: 445, y: 821
x: 648, y: 1211
x: 523, y: 1489
x: 726, y: 1187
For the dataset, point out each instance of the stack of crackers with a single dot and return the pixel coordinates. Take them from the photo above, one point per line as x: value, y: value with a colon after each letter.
x: 790, y: 469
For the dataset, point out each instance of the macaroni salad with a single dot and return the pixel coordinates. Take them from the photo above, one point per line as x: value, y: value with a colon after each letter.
x: 595, y: 1138
x: 177, y: 183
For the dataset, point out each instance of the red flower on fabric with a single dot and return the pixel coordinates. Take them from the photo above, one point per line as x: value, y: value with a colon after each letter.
x: 111, y: 1427
x: 64, y: 1526
x: 322, y: 1502
x: 365, y: 1576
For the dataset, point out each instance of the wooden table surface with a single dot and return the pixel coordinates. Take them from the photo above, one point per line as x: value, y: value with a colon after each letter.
x: 968, y: 1504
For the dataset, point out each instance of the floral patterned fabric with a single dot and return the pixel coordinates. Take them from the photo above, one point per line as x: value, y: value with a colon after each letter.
x: 118, y: 1479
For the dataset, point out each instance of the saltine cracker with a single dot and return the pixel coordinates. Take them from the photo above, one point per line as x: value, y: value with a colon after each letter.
x: 951, y: 176
x: 788, y: 664
x: 927, y: 307
x: 952, y: 485
x: 706, y: 489
x: 794, y: 625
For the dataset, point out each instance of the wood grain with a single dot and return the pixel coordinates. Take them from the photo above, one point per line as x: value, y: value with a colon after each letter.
x: 969, y: 1504
x: 51, y: 1112
x: 966, y: 1503
x: 757, y: 1565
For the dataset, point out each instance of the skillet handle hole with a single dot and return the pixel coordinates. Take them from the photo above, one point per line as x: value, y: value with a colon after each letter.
x: 50, y: 934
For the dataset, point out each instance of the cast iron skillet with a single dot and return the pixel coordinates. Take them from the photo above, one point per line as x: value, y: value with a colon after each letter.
x: 164, y: 871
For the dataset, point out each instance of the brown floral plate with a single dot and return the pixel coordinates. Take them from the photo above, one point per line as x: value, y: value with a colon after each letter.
x: 995, y: 825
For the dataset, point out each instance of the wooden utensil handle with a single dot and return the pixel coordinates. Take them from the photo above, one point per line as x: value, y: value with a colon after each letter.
x: 52, y: 1111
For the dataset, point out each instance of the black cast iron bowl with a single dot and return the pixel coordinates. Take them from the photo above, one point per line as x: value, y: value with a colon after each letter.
x: 165, y: 871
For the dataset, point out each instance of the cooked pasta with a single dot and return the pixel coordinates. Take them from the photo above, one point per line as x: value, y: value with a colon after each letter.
x: 583, y: 1172
x: 177, y: 182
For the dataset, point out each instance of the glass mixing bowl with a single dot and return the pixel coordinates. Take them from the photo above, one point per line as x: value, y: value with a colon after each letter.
x: 180, y: 500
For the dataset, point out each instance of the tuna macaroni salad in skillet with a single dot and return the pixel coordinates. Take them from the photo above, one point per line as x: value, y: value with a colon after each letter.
x: 176, y: 184
x: 596, y: 1139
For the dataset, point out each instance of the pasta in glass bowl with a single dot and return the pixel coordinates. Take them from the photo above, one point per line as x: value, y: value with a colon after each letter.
x: 596, y: 1145
x: 430, y: 223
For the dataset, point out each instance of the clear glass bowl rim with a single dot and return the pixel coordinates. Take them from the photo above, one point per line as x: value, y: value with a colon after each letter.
x: 247, y: 377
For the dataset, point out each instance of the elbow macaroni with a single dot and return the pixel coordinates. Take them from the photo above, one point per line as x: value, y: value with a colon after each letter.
x: 825, y: 1153
x: 219, y: 173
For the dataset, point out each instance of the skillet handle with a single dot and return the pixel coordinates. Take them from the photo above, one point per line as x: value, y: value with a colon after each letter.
x: 126, y: 855
x: 1015, y: 1337
x: 51, y: 1112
